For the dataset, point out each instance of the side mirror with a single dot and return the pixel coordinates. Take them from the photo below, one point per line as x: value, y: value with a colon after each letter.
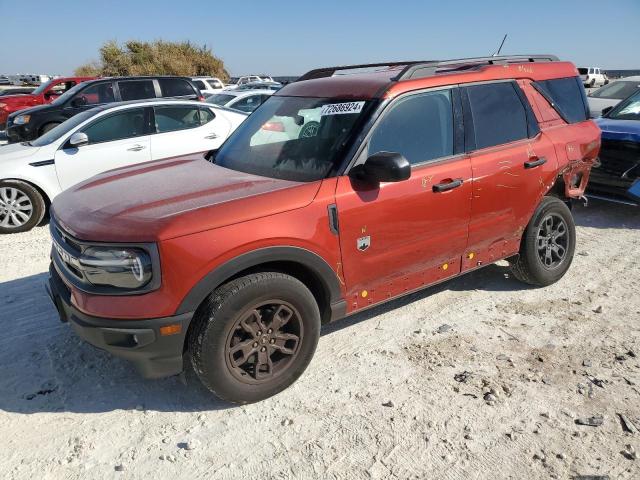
x: 383, y: 167
x: 78, y: 139
x: 606, y: 110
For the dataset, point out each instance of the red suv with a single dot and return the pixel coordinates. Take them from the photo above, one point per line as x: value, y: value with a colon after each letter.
x: 45, y: 93
x: 414, y: 173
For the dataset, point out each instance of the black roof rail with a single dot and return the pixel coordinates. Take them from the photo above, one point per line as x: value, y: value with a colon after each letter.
x: 329, y: 71
x: 426, y: 68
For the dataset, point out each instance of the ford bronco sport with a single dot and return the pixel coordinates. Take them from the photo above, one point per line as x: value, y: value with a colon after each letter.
x: 417, y: 172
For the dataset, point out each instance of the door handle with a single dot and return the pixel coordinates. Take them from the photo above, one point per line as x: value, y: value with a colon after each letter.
x: 534, y: 162
x: 211, y: 136
x: 136, y: 148
x: 443, y: 187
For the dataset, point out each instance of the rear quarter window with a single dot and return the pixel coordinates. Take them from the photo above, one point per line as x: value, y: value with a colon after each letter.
x: 567, y: 96
x: 176, y: 87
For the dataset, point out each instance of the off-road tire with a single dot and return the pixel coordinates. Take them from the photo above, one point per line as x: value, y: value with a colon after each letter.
x: 529, y: 267
x: 37, y: 203
x: 48, y: 126
x: 216, y: 319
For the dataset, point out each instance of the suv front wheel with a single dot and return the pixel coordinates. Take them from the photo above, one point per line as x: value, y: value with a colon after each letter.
x: 254, y: 336
x: 547, y: 246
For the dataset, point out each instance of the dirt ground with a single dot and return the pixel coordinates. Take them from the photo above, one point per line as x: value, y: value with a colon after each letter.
x: 478, y: 378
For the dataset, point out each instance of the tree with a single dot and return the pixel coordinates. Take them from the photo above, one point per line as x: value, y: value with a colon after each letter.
x: 154, y: 58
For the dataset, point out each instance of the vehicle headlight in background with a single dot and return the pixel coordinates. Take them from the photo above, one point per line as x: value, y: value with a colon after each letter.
x: 21, y: 119
x: 125, y: 267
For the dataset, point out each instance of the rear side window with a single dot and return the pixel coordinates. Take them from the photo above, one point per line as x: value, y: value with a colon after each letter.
x: 176, y: 87
x: 567, y: 97
x: 136, y: 89
x: 206, y: 115
x: 420, y: 127
x: 498, y: 114
x: 171, y: 119
x: 200, y: 84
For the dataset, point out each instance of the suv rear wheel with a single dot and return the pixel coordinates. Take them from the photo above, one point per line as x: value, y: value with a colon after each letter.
x: 548, y: 243
x: 254, y: 336
x: 21, y: 206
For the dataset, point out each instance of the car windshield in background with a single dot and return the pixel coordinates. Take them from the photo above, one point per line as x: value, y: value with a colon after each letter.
x: 62, y: 129
x: 292, y: 138
x: 220, y: 99
x: 629, y: 109
x: 68, y: 94
x: 617, y: 90
x: 42, y: 88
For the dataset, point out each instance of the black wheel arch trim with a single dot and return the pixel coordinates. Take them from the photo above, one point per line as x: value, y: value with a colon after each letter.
x: 305, y: 258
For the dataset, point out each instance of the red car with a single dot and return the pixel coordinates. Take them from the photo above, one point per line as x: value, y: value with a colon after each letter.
x: 45, y: 93
x: 415, y: 173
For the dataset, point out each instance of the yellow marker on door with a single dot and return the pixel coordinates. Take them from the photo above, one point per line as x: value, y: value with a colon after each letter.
x: 364, y: 294
x: 445, y: 266
x: 470, y: 255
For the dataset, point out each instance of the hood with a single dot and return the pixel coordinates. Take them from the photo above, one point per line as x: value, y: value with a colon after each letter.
x: 16, y: 151
x: 21, y: 99
x: 596, y: 105
x: 33, y: 110
x: 169, y: 198
x: 622, y: 130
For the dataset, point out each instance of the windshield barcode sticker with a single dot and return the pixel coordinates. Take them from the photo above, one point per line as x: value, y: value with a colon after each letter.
x: 341, y: 108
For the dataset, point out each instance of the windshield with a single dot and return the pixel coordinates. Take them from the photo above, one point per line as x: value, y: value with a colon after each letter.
x: 617, y: 90
x: 628, y: 109
x: 220, y: 99
x: 62, y: 129
x: 42, y: 88
x: 68, y: 94
x: 293, y: 138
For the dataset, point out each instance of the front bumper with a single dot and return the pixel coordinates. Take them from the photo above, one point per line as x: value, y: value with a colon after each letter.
x: 139, y: 341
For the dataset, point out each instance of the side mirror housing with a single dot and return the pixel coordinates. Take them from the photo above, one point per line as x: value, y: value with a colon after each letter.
x: 383, y: 167
x: 78, y: 139
x: 606, y: 110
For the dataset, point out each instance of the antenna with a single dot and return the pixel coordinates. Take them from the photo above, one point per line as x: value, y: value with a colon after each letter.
x: 500, y: 47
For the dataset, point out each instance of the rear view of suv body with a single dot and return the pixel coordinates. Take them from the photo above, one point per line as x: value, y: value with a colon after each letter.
x: 412, y: 174
x: 29, y: 124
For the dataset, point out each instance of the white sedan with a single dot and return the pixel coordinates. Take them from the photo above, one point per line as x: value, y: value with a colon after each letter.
x: 243, y: 100
x: 100, y: 139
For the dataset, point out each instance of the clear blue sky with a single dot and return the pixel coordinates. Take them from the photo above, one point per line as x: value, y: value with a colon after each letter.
x: 282, y: 37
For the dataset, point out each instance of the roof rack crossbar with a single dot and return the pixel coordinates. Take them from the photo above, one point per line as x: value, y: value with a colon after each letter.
x: 330, y: 71
x: 427, y: 68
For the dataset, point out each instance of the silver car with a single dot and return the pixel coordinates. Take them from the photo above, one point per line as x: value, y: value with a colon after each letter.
x: 612, y: 94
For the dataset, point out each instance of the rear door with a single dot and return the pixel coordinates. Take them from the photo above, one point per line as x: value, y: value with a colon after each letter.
x: 183, y: 129
x: 115, y: 140
x: 511, y: 162
x: 398, y: 237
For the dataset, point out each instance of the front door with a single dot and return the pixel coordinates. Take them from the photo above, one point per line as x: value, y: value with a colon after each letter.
x: 115, y: 140
x: 398, y: 237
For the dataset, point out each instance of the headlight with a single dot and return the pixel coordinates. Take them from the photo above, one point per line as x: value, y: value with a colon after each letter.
x: 21, y: 119
x: 128, y: 268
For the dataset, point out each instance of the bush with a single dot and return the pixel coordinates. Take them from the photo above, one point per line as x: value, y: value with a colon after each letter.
x: 156, y: 58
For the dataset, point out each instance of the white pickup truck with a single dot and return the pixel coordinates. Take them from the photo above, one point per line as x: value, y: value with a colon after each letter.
x: 593, y: 77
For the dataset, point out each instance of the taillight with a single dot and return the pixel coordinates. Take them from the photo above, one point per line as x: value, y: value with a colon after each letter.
x: 273, y: 127
x: 201, y: 98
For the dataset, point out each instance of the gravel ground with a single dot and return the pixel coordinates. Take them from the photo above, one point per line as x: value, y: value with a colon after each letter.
x: 478, y: 378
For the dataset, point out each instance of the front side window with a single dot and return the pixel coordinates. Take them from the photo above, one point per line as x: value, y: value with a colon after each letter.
x: 136, y: 89
x: 628, y: 109
x: 420, y: 127
x: 176, y: 87
x: 498, y: 114
x: 567, y: 97
x: 96, y: 94
x: 271, y: 142
x: 173, y: 118
x: 617, y: 90
x: 247, y: 104
x: 118, y: 126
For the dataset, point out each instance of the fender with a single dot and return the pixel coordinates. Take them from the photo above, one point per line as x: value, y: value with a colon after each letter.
x: 311, y: 261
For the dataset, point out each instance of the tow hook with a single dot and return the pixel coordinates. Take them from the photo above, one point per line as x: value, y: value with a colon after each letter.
x: 584, y: 199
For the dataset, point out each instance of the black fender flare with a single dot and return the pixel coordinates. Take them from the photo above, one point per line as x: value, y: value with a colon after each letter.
x: 307, y: 259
